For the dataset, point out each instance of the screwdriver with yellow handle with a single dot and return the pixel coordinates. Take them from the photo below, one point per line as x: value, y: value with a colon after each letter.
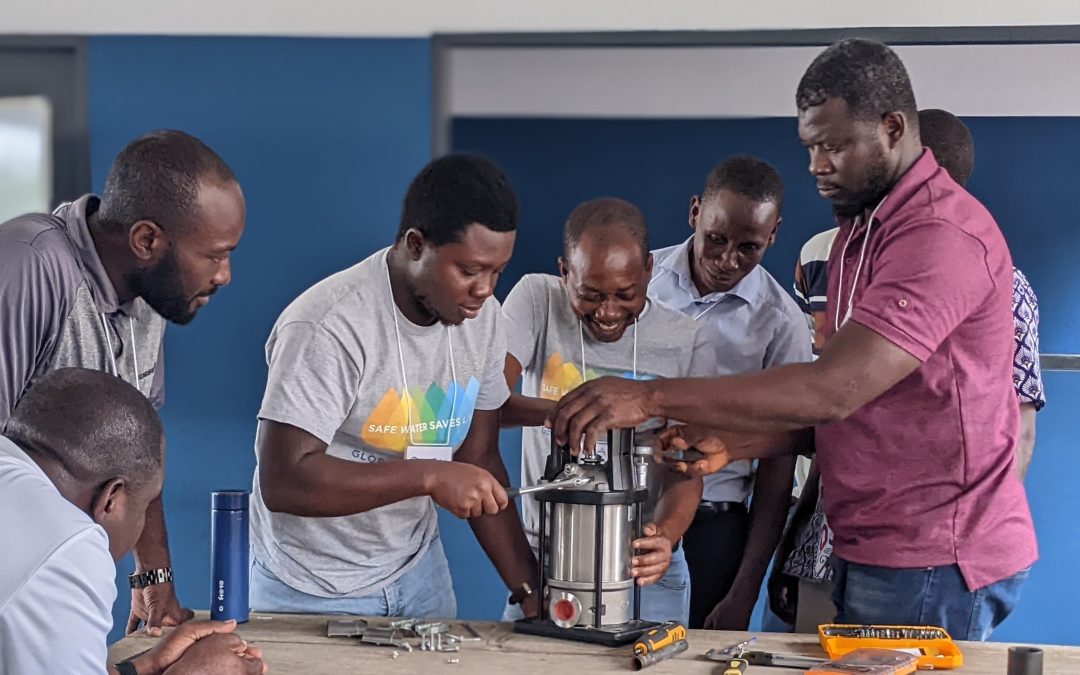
x: 659, y: 638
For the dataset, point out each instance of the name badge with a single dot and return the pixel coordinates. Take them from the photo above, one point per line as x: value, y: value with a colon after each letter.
x: 443, y: 453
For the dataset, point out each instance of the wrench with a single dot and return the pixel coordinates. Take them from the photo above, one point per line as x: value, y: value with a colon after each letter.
x: 553, y: 485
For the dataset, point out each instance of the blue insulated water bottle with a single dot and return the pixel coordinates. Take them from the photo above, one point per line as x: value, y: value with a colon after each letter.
x: 229, y: 555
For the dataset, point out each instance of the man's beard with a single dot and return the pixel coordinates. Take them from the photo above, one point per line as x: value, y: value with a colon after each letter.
x: 877, y: 186
x: 162, y: 288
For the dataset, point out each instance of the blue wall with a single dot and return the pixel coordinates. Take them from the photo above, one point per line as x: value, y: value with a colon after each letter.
x: 1024, y: 172
x: 324, y: 136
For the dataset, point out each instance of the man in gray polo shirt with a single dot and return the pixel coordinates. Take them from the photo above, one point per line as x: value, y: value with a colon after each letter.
x: 92, y: 284
x: 715, y: 277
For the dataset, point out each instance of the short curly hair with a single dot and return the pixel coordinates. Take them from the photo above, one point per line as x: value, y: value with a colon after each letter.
x: 866, y: 74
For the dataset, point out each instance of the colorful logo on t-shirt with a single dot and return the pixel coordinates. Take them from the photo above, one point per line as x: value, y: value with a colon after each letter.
x: 560, y: 377
x: 436, y: 417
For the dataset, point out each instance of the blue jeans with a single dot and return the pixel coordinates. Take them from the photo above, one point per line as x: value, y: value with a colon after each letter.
x: 426, y: 590
x: 924, y: 596
x: 666, y: 600
x: 669, y: 598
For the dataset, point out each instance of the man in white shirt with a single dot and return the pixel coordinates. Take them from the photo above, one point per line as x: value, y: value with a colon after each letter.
x: 80, y: 459
x: 716, y: 277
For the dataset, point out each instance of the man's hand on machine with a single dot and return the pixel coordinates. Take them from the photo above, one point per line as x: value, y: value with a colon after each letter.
x: 692, y: 450
x: 652, y: 557
x: 596, y: 406
x: 465, y: 490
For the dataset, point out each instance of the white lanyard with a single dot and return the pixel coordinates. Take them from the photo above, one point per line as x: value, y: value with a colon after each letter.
x: 407, y: 397
x: 112, y: 354
x: 581, y: 334
x: 858, y: 268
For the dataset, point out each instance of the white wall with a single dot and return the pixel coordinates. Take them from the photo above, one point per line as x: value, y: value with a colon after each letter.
x: 424, y: 17
x: 686, y: 82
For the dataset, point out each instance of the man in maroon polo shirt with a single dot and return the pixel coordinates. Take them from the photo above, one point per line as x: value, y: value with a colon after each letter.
x: 910, y: 405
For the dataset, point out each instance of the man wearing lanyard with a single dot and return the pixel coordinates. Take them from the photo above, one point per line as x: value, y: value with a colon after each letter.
x: 716, y: 277
x: 382, y: 401
x: 800, y: 583
x: 911, y: 404
x: 597, y: 320
x: 92, y: 284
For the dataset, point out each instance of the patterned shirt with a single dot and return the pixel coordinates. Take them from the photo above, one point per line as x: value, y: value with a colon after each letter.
x: 1027, y: 375
x: 809, y: 558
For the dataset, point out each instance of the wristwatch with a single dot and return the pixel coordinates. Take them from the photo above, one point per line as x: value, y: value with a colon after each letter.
x: 161, y: 575
x: 518, y: 595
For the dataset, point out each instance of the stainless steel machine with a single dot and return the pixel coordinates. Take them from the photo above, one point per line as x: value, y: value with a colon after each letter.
x: 590, y: 513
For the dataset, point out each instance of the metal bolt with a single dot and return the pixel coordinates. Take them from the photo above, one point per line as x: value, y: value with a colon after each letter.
x: 453, y: 660
x: 394, y: 654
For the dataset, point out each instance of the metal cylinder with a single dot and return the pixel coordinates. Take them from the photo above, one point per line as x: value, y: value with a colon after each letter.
x: 1025, y: 661
x: 572, y: 565
x: 671, y: 651
x: 229, y: 556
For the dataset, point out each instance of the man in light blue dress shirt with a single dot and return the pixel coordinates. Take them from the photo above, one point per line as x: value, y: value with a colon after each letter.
x: 715, y: 276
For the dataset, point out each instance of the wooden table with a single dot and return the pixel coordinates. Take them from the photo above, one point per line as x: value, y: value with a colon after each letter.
x: 298, y: 644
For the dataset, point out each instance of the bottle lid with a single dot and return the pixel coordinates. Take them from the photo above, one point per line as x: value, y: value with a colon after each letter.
x: 229, y: 500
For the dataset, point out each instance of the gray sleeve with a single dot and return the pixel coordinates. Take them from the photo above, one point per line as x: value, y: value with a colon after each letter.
x: 312, y: 381
x: 791, y: 343
x: 157, y: 387
x: 35, y: 295
x: 520, y: 310
x: 493, y: 390
x: 703, y: 355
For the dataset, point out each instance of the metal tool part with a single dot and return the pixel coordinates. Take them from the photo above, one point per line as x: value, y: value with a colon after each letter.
x: 645, y: 660
x: 453, y: 660
x: 759, y: 658
x: 725, y: 653
x: 462, y: 638
x: 382, y: 636
x: 472, y: 631
x: 886, y: 632
x: 345, y: 627
x: 558, y: 484
x: 431, y: 636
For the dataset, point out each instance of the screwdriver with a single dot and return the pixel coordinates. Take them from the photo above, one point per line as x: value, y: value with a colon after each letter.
x: 734, y: 667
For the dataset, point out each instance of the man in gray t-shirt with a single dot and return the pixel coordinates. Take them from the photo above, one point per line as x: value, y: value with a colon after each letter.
x: 382, y: 400
x: 92, y: 284
x: 595, y: 321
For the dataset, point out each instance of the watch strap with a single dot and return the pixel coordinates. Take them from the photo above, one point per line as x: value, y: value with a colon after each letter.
x: 162, y: 575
